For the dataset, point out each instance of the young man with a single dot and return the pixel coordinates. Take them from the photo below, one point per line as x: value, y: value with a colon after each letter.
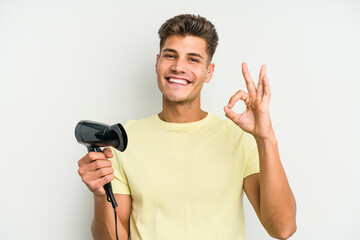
x: 184, y: 171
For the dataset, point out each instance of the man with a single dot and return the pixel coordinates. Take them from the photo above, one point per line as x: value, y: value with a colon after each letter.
x: 184, y: 171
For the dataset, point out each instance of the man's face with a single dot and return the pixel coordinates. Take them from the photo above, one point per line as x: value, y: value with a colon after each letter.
x: 182, y: 68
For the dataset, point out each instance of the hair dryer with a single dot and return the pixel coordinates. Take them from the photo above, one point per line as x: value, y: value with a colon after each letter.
x: 95, y: 135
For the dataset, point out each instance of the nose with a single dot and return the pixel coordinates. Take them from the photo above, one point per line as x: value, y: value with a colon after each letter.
x: 179, y: 66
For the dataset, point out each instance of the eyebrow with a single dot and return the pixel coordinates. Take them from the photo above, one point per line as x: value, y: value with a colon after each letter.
x: 174, y: 51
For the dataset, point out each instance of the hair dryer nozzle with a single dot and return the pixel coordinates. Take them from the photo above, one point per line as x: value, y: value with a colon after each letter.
x: 94, y: 134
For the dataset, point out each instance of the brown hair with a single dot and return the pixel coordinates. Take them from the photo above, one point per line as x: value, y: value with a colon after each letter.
x: 188, y: 24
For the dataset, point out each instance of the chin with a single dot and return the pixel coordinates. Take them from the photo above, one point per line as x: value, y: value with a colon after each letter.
x: 175, y: 99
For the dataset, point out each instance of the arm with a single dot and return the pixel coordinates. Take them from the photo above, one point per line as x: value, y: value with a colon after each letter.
x: 269, y: 191
x: 270, y: 194
x: 103, y: 224
x: 95, y: 170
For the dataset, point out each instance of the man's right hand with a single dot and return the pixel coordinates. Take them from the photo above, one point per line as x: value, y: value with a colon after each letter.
x: 95, y: 170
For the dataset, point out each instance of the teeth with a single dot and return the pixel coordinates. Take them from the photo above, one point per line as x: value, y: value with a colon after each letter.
x: 179, y: 81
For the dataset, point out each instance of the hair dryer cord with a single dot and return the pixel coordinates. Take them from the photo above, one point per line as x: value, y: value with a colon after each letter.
x: 109, y: 193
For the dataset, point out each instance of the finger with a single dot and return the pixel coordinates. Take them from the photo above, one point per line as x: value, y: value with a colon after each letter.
x: 238, y: 95
x: 103, y: 172
x: 229, y: 113
x: 93, y: 166
x: 98, y: 164
x: 106, y: 179
x: 90, y: 157
x: 108, y: 153
x: 98, y: 184
x: 86, y: 169
x: 260, y: 86
x: 107, y: 149
x: 267, y: 93
x: 91, y: 176
x: 248, y: 80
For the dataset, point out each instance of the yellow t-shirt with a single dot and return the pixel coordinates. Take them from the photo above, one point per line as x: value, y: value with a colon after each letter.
x: 185, y: 179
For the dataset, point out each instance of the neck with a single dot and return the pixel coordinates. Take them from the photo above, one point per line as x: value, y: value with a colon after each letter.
x: 182, y: 112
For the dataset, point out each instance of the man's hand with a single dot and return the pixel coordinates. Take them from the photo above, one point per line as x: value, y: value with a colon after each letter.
x: 95, y: 170
x: 269, y: 191
x: 256, y: 118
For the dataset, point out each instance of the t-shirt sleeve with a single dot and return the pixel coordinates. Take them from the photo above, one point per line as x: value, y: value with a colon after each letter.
x: 120, y: 183
x: 252, y: 162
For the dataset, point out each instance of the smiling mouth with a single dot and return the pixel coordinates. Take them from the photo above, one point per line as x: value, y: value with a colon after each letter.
x: 178, y: 81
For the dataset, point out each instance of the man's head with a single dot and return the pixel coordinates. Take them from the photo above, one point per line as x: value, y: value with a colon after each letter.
x: 183, y: 65
x: 190, y: 25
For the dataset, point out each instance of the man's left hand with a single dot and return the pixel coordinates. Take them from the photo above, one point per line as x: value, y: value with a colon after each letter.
x: 256, y: 118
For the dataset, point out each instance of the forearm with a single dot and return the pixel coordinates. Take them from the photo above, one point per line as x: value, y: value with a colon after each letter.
x: 103, y: 224
x: 277, y: 203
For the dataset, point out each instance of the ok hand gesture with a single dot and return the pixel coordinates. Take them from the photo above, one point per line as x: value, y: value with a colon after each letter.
x: 256, y: 118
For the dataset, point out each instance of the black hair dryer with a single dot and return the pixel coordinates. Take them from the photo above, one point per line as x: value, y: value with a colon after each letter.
x: 95, y: 135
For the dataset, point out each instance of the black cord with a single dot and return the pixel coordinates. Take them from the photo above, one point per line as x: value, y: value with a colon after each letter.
x: 109, y: 193
x: 116, y: 224
x: 110, y: 198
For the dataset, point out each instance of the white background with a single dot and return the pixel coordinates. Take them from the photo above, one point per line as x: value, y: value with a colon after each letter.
x: 65, y: 61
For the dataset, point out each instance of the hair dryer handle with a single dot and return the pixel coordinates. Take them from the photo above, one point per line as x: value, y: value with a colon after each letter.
x: 107, y: 187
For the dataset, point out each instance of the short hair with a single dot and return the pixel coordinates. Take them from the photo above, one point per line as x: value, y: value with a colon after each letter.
x: 188, y: 24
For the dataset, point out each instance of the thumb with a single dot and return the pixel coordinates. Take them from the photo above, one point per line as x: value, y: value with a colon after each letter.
x: 108, y: 152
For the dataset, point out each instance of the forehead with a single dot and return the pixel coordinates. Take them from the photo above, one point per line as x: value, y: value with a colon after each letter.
x: 186, y: 44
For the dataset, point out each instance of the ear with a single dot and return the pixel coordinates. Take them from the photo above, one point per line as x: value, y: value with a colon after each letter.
x: 157, y: 62
x: 210, y: 71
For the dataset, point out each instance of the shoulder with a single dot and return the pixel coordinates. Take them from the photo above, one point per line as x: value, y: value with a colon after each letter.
x: 143, y: 122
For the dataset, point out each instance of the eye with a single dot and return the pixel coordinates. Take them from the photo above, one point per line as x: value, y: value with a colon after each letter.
x: 193, y: 60
x: 171, y: 56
